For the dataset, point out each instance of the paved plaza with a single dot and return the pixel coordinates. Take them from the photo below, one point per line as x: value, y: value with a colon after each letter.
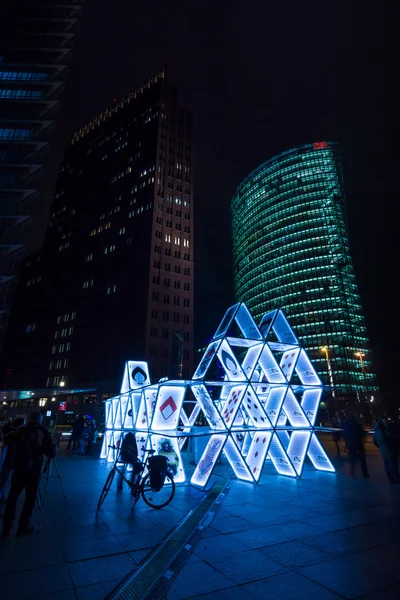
x: 325, y: 537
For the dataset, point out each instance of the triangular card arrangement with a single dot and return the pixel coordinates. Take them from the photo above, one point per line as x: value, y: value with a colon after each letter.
x: 257, y: 390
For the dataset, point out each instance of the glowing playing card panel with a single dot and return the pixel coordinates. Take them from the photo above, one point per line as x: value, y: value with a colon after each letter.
x: 108, y: 414
x: 116, y: 410
x: 206, y: 360
x: 141, y: 442
x: 282, y: 329
x: 106, y: 442
x: 279, y: 458
x: 142, y: 421
x: 168, y: 407
x: 232, y: 404
x: 236, y: 461
x: 226, y: 321
x: 124, y: 400
x: 310, y: 403
x: 136, y: 375
x: 306, y: 371
x: 288, y: 362
x: 318, y: 456
x: 252, y: 405
x: 208, y: 459
x: 230, y: 363
x: 246, y: 323
x: 257, y: 452
x: 150, y: 395
x: 266, y: 322
x: 293, y: 411
x: 207, y: 405
x: 251, y: 359
x: 169, y: 447
x: 297, y: 449
x: 270, y: 367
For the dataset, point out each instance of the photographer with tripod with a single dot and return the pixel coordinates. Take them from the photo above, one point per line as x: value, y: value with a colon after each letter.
x: 32, y: 442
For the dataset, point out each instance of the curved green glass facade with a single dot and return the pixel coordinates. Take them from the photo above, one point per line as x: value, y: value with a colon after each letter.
x: 291, y: 251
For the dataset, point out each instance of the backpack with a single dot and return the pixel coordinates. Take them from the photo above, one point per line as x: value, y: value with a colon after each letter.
x: 129, y: 451
x: 158, y: 470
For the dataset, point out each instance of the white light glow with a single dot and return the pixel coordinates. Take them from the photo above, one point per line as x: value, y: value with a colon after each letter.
x: 263, y: 406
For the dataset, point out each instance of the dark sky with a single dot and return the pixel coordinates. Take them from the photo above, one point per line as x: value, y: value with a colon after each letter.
x: 260, y: 78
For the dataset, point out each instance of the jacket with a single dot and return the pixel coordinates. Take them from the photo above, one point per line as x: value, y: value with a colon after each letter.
x: 382, y: 439
x: 32, y: 442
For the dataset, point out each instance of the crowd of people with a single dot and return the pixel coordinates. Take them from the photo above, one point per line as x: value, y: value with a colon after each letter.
x: 386, y: 437
x: 83, y: 436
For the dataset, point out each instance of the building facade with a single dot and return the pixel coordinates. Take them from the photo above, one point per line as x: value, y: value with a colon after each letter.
x: 114, y: 280
x: 36, y: 42
x: 291, y: 250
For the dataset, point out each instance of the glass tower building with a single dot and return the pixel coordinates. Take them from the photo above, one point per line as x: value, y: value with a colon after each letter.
x: 291, y: 250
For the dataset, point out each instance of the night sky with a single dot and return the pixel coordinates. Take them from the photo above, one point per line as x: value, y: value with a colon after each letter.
x: 259, y: 78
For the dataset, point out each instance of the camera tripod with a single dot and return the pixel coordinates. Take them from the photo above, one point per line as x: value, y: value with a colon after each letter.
x: 46, y: 476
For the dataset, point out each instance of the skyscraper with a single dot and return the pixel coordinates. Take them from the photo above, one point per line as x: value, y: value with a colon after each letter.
x: 36, y: 42
x: 291, y: 250
x: 114, y: 280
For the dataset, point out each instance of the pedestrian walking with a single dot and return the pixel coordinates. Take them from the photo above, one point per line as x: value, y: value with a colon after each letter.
x: 387, y: 444
x: 354, y: 436
x: 31, y: 443
x: 7, y: 455
x: 336, y: 435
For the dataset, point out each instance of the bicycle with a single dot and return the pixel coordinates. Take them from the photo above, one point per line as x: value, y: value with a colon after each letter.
x: 154, y: 496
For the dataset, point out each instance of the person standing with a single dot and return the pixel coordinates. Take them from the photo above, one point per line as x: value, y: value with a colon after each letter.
x: 77, y: 429
x: 354, y: 436
x: 7, y: 456
x: 32, y: 442
x: 89, y: 435
x: 336, y: 435
x: 387, y: 448
x: 128, y: 455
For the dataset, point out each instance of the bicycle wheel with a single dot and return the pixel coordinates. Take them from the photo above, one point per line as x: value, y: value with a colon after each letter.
x: 161, y: 498
x: 106, y: 488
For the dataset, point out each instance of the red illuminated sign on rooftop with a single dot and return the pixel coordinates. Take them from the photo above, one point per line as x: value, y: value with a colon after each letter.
x: 320, y: 145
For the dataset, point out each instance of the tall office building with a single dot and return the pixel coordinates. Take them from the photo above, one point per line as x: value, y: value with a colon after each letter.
x: 291, y: 250
x: 36, y: 42
x: 114, y: 280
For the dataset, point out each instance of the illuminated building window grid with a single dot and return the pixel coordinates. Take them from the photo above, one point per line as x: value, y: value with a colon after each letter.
x: 260, y: 225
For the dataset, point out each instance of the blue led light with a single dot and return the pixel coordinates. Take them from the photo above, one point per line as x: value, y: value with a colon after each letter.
x: 254, y: 410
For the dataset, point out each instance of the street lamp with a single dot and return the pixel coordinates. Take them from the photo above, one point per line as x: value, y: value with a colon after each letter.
x: 329, y: 365
x: 360, y: 355
x: 62, y: 383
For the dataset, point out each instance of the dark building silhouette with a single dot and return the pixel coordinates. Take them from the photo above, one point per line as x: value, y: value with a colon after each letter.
x: 114, y: 280
x: 36, y: 42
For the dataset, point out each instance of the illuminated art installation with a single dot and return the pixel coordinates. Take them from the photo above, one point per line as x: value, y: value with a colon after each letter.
x: 259, y: 394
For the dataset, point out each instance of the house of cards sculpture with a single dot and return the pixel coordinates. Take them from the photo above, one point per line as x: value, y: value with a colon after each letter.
x: 259, y: 394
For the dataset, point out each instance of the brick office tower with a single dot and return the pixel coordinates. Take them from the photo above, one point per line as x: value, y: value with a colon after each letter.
x: 114, y: 280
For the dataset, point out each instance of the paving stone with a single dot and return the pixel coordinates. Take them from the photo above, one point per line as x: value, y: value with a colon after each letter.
x: 295, y: 554
x: 288, y: 586
x: 198, y: 578
x: 248, y: 566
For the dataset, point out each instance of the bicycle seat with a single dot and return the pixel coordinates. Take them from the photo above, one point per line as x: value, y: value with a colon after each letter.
x: 151, y: 451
